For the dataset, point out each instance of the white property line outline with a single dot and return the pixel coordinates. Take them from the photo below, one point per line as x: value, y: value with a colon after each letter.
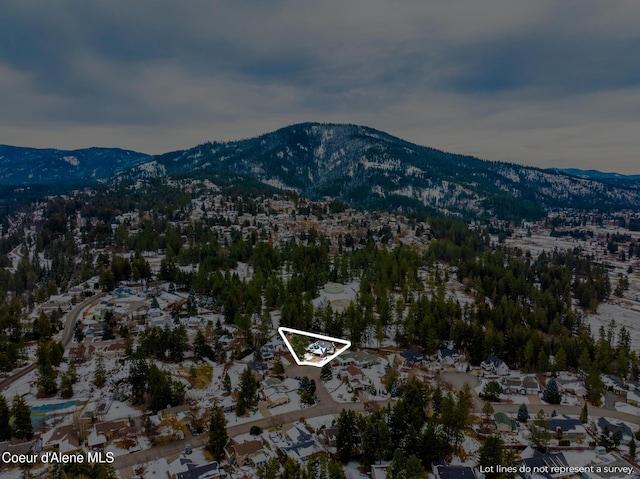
x: 319, y: 364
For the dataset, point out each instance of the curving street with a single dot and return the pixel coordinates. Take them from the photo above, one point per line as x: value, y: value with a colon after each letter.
x: 67, y: 335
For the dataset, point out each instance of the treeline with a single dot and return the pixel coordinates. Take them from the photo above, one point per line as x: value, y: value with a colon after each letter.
x: 425, y: 424
x: 152, y: 386
x: 15, y: 419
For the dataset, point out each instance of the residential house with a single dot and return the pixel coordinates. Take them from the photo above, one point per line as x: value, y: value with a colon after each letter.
x: 354, y: 377
x: 448, y: 356
x: 614, y: 384
x: 111, y: 428
x: 81, y: 353
x: 61, y: 439
x: 259, y: 367
x: 633, y: 398
x: 545, y: 462
x: 115, y: 350
x: 495, y: 365
x: 613, y: 427
x: 321, y: 348
x: 273, y: 383
x: 530, y: 384
x: 303, y: 446
x: 243, y: 453
x: 565, y: 427
x: 185, y: 468
x: 227, y: 403
x: 442, y: 470
x: 175, y: 412
x: 96, y: 441
x: 411, y: 357
x: 632, y: 385
x: 504, y: 423
x: 275, y: 397
x: 362, y: 359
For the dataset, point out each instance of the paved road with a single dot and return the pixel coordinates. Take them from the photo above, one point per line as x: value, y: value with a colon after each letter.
x: 327, y: 405
x: 67, y: 334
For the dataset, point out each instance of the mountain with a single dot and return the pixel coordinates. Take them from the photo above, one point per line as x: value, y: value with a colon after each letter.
x: 372, y: 169
x: 359, y: 165
x: 33, y: 166
x: 610, y: 178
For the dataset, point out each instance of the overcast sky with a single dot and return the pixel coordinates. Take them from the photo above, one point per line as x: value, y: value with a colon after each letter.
x: 543, y: 83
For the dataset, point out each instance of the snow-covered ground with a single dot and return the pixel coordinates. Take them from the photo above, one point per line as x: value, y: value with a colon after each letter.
x: 627, y: 408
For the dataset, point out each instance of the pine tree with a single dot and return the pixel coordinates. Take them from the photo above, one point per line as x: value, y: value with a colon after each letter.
x: 492, y: 391
x: 490, y: 454
x: 248, y: 388
x: 66, y: 385
x: 539, y: 434
x: 347, y: 437
x: 21, y: 412
x: 5, y: 430
x: 523, y: 413
x: 278, y: 368
x: 584, y: 414
x: 100, y: 373
x: 632, y: 448
x: 594, y: 385
x: 487, y: 414
x: 217, y: 432
x: 226, y: 383
x: 268, y: 470
x: 551, y: 394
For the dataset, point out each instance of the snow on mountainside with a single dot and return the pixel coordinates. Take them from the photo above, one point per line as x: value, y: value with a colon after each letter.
x: 356, y: 164
x: 370, y: 168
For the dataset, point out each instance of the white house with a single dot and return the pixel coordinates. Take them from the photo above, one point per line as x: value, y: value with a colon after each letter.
x: 495, y: 365
x: 321, y: 348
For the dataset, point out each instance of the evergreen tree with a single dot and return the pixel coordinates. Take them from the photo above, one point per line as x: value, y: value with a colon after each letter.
x: 5, y: 430
x: 584, y: 414
x: 632, y: 448
x: 278, y: 368
x: 523, y: 413
x: 376, y: 439
x: 487, y: 415
x: 347, y: 437
x: 594, y: 385
x: 21, y: 412
x: 605, y: 439
x: 201, y: 347
x: 226, y: 383
x: 291, y: 469
x: 269, y: 470
x: 490, y: 454
x: 551, y: 394
x: 492, y: 391
x: 539, y: 434
x: 66, y: 385
x: 241, y: 408
x: 100, y: 373
x: 217, y: 432
x: 405, y: 468
x: 248, y: 388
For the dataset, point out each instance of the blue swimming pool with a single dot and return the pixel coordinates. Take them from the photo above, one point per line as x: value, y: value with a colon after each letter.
x: 52, y: 407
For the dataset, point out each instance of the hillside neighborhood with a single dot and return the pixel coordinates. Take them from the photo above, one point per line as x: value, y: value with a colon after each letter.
x: 203, y: 361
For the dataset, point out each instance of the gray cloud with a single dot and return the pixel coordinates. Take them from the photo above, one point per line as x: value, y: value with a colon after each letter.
x: 541, y: 83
